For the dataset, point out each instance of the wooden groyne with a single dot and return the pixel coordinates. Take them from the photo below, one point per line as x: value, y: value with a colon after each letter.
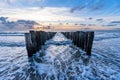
x: 35, y: 39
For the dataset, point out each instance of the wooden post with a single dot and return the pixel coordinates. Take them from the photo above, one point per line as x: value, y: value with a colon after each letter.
x: 35, y: 39
x: 81, y: 39
x: 76, y: 38
x: 29, y: 45
x: 67, y: 35
x: 38, y: 39
x: 84, y: 40
x: 90, y: 37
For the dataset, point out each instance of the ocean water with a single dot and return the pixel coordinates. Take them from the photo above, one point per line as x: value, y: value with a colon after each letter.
x: 58, y: 62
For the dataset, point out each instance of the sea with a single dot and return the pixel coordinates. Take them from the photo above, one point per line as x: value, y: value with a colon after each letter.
x: 57, y: 61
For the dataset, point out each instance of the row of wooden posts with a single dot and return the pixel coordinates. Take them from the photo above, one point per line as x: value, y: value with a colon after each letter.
x: 35, y: 40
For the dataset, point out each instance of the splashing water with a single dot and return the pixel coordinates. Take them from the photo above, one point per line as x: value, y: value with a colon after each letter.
x: 59, y: 39
x: 61, y: 61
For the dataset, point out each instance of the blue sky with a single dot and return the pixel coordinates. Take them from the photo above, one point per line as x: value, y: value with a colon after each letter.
x: 64, y: 10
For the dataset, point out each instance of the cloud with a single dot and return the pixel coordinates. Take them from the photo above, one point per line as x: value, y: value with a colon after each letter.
x: 100, y: 20
x: 116, y: 22
x: 88, y: 6
x: 39, y: 14
x: 78, y: 8
x: 90, y: 18
x: 15, y: 25
x: 32, y: 10
x: 110, y: 25
x: 19, y: 3
x: 96, y: 7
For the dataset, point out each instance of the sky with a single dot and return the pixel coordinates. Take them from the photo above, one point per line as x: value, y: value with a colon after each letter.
x: 61, y: 10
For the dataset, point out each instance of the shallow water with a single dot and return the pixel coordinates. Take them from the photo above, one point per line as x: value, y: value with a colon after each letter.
x: 104, y: 63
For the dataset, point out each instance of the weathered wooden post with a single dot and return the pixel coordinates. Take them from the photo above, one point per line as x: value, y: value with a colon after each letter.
x: 90, y: 37
x: 28, y: 44
x: 76, y: 38
x: 84, y: 40
x: 35, y: 39
x: 80, y: 42
x: 31, y: 44
x: 38, y: 40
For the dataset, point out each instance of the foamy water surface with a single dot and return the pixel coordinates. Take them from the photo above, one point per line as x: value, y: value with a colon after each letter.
x: 59, y: 62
